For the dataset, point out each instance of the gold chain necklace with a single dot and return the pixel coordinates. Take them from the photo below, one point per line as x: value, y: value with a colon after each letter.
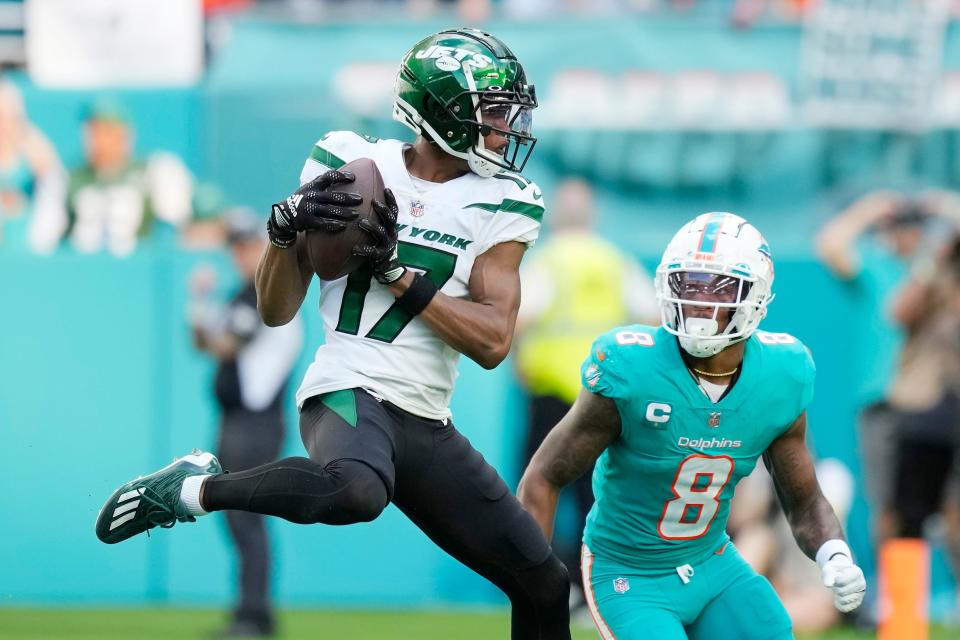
x: 716, y: 375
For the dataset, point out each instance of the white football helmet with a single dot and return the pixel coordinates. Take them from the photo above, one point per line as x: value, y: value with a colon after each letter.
x: 716, y: 261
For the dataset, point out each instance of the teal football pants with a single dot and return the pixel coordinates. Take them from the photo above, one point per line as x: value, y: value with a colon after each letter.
x: 722, y: 598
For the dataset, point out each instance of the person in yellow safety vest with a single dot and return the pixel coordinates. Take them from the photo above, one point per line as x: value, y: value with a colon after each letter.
x: 575, y: 285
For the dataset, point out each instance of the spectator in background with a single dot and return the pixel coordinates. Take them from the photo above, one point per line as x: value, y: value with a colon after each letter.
x: 32, y: 180
x: 869, y: 246
x: 908, y: 432
x: 254, y: 366
x: 926, y: 397
x: 115, y: 199
x: 576, y: 285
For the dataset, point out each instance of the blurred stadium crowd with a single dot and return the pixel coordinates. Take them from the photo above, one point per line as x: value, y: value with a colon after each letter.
x: 104, y: 204
x: 741, y: 13
x: 894, y: 246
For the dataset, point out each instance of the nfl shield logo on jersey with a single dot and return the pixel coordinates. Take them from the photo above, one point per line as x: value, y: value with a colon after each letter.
x: 621, y: 585
x: 416, y: 209
x: 714, y: 420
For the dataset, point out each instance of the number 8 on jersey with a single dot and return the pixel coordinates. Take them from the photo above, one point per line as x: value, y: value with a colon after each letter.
x: 697, y: 486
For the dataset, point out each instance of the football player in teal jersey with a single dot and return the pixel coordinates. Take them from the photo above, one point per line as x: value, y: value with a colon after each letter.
x: 675, y: 416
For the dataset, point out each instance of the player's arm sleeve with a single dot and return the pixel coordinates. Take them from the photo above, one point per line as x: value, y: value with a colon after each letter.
x: 330, y: 152
x: 603, y: 370
x: 516, y: 217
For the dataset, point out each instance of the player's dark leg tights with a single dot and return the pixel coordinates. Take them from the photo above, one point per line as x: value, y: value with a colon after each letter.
x: 348, y: 477
x: 300, y: 490
x: 448, y: 490
x: 539, y: 597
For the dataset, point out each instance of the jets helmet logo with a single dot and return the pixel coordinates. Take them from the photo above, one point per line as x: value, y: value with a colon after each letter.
x: 453, y: 58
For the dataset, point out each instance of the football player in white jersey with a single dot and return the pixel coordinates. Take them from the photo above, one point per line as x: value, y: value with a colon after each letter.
x: 441, y: 279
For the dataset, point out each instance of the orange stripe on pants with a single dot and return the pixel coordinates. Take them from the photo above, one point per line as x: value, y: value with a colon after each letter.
x: 586, y: 570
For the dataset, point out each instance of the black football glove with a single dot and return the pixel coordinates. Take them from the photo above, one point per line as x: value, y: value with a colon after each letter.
x: 313, y: 207
x: 382, y: 251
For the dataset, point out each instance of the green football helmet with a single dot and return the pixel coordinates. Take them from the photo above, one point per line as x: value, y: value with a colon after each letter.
x: 459, y: 85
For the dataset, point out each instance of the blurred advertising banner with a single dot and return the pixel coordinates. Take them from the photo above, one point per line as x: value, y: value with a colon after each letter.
x: 872, y: 64
x: 111, y: 43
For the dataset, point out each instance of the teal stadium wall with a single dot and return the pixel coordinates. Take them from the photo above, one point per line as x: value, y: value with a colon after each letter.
x: 98, y: 382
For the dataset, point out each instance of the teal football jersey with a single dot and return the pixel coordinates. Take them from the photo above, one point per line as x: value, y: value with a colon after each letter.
x: 663, y: 488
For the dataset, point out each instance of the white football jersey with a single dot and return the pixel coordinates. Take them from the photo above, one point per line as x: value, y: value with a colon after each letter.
x: 443, y: 227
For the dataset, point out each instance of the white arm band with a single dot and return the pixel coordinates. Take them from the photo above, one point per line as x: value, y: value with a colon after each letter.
x: 831, y: 548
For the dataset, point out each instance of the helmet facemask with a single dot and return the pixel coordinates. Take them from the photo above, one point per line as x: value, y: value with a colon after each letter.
x: 509, y: 115
x: 709, y: 310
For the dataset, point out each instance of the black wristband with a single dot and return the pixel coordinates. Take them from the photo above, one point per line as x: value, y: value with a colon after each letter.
x: 418, y: 295
x: 280, y: 239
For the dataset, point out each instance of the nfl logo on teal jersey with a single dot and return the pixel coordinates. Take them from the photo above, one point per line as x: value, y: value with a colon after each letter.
x: 714, y: 420
x: 621, y: 585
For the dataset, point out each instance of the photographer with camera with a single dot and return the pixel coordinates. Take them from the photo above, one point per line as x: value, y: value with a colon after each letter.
x: 900, y: 254
x: 926, y: 396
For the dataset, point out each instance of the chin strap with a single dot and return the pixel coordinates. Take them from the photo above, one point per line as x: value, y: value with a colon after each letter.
x: 480, y: 166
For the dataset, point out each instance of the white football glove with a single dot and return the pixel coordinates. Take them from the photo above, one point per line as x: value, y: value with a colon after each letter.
x: 846, y: 581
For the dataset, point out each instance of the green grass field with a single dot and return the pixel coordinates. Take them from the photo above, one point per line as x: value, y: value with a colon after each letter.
x: 192, y: 624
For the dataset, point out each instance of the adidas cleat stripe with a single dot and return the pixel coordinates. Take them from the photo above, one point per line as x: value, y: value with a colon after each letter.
x: 119, y: 521
x: 136, y: 493
x: 122, y: 509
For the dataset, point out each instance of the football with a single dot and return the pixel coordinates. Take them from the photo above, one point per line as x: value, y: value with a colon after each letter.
x: 331, y: 254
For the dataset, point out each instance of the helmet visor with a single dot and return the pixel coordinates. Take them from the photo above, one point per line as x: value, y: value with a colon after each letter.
x: 697, y: 287
x: 507, y: 118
